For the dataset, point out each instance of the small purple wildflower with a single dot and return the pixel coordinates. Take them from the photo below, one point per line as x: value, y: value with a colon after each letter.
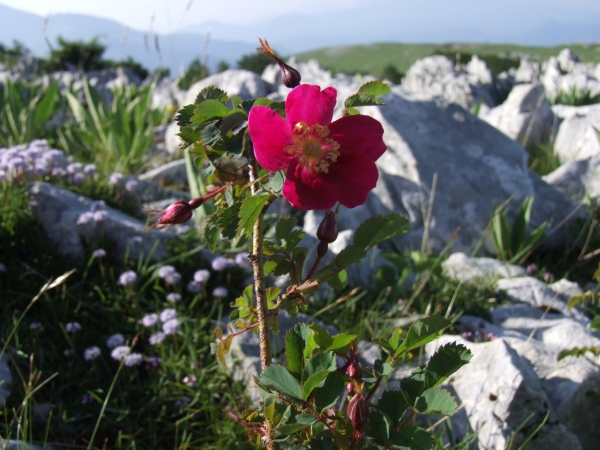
x: 530, y: 269
x: 68, y: 353
x: 78, y: 178
x: 220, y: 292
x: 99, y: 216
x: 115, y: 340
x: 220, y: 263
x: 116, y: 178
x: 169, y: 274
x: 133, y: 359
x: 72, y: 327
x: 242, y: 260
x: 35, y: 326
x: 190, y: 381
x: 85, y: 218
x: 89, y: 169
x: 131, y: 185
x: 547, y: 276
x: 58, y: 172
x: 173, y: 297
x: 74, y: 168
x: 194, y: 287
x: 171, y: 326
x: 149, y: 320
x: 120, y: 352
x: 201, y: 276
x: 91, y: 353
x: 157, y: 338
x: 167, y: 314
x: 99, y: 253
x: 87, y: 399
x: 154, y: 362
x: 127, y: 278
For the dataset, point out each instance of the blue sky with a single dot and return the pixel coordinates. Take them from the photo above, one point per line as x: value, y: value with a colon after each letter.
x: 173, y: 15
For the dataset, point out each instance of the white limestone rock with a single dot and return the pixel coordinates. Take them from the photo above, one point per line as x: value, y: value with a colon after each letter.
x: 478, y: 271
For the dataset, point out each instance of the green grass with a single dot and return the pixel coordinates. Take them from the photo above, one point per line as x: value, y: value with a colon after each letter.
x: 374, y: 58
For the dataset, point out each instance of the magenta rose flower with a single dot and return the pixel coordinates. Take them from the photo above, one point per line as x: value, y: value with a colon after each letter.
x: 326, y: 162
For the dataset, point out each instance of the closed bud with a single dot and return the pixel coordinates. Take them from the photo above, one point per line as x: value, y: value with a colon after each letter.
x: 358, y: 412
x: 349, y: 388
x: 328, y: 230
x: 353, y: 371
x: 178, y: 212
x: 290, y: 77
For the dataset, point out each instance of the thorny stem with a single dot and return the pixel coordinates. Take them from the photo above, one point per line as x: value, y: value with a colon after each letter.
x: 258, y: 271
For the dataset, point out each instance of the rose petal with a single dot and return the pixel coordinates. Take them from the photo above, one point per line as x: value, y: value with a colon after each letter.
x: 304, y: 190
x: 270, y: 134
x: 309, y: 104
x: 350, y: 178
x: 359, y: 134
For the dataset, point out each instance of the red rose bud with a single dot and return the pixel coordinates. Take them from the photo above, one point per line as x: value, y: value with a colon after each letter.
x: 178, y: 212
x: 290, y: 77
x: 349, y: 388
x: 358, y: 412
x: 328, y: 230
x: 353, y: 371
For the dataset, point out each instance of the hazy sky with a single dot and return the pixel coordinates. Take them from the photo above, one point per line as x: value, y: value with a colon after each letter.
x: 171, y: 15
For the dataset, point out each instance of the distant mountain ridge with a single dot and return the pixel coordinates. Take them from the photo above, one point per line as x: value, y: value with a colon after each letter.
x: 369, y: 21
x: 173, y: 50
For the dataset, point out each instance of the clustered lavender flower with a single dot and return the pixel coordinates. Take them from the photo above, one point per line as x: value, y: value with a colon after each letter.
x: 169, y: 274
x: 91, y: 353
x: 220, y: 263
x: 115, y: 340
x: 72, y: 327
x: 220, y: 292
x: 200, y: 277
x: 173, y: 297
x: 29, y: 161
x: 97, y: 213
x: 479, y: 336
x: 149, y: 320
x: 127, y: 278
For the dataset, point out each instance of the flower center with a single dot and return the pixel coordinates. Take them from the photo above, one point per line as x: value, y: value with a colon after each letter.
x: 312, y: 147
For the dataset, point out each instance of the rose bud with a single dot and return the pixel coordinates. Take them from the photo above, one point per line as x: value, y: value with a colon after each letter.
x: 178, y: 212
x: 358, y: 412
x: 349, y: 388
x: 328, y: 229
x: 353, y: 370
x: 290, y: 77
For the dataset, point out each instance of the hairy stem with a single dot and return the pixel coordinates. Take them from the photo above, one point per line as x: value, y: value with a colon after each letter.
x: 258, y: 271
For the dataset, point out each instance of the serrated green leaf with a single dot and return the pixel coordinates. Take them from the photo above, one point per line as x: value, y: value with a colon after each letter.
x: 393, y: 405
x: 236, y: 101
x: 377, y: 229
x: 378, y: 429
x: 313, y: 381
x: 277, y: 106
x: 284, y: 227
x: 375, y: 87
x: 209, y: 232
x: 328, y: 395
x: 262, y: 101
x: 251, y: 209
x: 320, y: 361
x: 352, y: 112
x: 211, y: 93
x: 209, y: 110
x: 292, y: 241
x: 423, y: 331
x: 412, y: 389
x: 595, y: 323
x: 339, y: 281
x: 341, y: 340
x: 356, y: 100
x: 321, y: 336
x: 232, y: 119
x: 296, y: 340
x: 184, y: 115
x: 228, y: 220
x: 280, y: 379
x: 350, y: 255
x: 447, y: 360
x: 436, y: 401
x: 290, y: 428
x: 394, y: 340
x: 412, y: 438
x: 382, y: 368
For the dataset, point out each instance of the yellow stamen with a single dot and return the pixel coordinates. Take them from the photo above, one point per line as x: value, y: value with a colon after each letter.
x: 312, y: 147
